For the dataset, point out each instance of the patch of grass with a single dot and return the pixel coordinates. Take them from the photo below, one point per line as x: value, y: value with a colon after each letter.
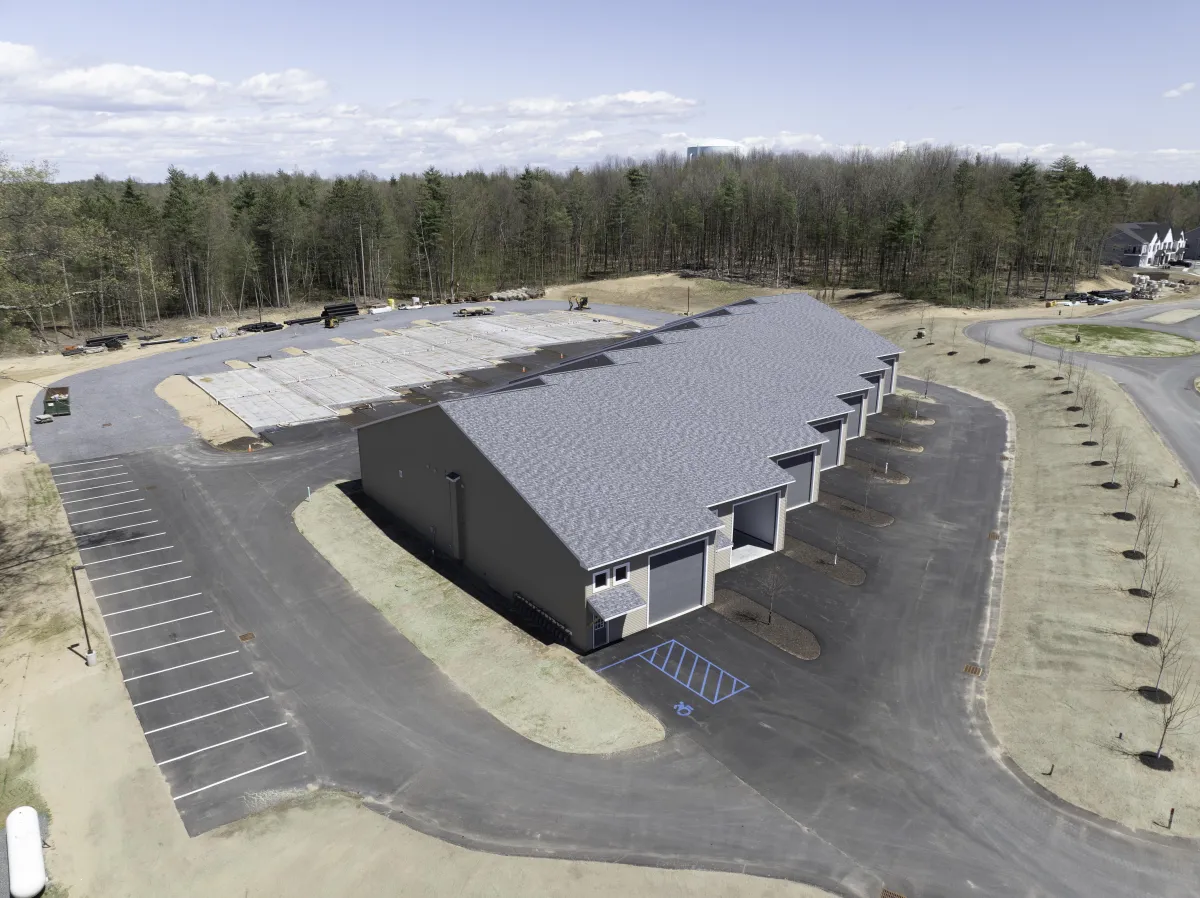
x: 40, y: 492
x: 40, y: 626
x: 17, y: 787
x: 1112, y: 340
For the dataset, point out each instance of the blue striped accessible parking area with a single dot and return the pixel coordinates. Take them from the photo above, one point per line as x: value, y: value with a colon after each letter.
x: 216, y: 733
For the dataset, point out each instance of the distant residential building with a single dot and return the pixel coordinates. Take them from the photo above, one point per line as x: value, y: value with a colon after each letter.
x: 714, y: 149
x: 1143, y: 244
x: 1191, y: 249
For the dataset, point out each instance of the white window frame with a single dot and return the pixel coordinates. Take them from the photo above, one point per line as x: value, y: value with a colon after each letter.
x: 606, y: 574
x: 617, y: 581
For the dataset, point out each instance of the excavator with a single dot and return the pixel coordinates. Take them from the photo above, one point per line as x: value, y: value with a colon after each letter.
x: 577, y: 303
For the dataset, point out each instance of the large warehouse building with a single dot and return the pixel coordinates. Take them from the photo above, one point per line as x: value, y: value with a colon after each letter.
x: 610, y: 490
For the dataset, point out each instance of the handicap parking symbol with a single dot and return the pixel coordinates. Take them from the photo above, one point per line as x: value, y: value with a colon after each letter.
x: 683, y: 709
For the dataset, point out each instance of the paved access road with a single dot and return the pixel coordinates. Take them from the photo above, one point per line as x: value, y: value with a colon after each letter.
x: 1162, y: 388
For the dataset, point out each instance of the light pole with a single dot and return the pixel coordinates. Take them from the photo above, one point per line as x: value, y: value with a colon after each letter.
x: 91, y: 653
x: 24, y: 439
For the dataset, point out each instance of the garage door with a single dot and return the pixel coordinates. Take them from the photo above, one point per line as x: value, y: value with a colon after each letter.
x: 677, y: 581
x: 800, y: 466
x: 831, y: 438
x: 854, y: 426
x: 873, y: 393
x: 889, y: 379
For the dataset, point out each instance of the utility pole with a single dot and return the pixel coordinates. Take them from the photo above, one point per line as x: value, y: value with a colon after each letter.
x: 70, y: 306
x: 24, y: 439
x: 363, y: 256
x: 91, y: 653
x: 689, y: 299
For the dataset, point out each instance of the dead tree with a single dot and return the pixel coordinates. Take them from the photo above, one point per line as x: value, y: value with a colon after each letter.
x: 1144, y: 515
x: 1088, y: 400
x: 1062, y: 354
x: 1158, y: 585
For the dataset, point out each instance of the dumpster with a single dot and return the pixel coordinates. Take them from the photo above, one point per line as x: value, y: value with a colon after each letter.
x: 58, y: 401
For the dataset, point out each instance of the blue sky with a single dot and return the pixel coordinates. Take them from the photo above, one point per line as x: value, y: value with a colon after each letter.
x: 126, y: 87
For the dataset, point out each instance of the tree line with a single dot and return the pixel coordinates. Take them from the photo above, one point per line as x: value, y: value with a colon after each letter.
x: 933, y: 223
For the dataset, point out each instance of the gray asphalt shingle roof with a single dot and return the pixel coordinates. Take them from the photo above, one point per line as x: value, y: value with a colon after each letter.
x: 615, y: 601
x: 630, y: 456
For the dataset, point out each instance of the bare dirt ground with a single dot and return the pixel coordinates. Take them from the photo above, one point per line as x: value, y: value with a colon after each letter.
x: 71, y: 747
x: 207, y: 418
x: 563, y: 705
x: 1061, y: 689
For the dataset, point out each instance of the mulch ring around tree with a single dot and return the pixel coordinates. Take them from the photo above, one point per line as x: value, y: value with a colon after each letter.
x: 870, y: 516
x: 892, y: 476
x: 845, y: 572
x: 894, y: 442
x: 907, y: 417
x: 1111, y: 485
x: 1124, y: 515
x: 1155, y: 695
x: 784, y: 634
x: 1134, y: 554
x: 1149, y: 640
x: 1156, y: 761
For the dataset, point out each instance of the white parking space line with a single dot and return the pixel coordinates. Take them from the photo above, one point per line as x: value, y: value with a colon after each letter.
x: 238, y: 775
x: 92, y: 489
x: 109, y: 517
x: 117, y: 542
x: 121, y: 592
x: 130, y: 555
x: 155, y: 673
x: 163, y: 698
x: 167, y: 645
x: 171, y: 726
x: 219, y: 744
x: 89, y: 479
x: 92, y: 470
x: 102, y: 507
x: 136, y: 570
x: 115, y: 529
x: 105, y: 496
x: 80, y: 464
x: 153, y: 604
x: 161, y: 623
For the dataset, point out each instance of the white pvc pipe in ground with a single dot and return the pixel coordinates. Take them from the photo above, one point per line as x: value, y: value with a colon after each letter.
x: 26, y: 865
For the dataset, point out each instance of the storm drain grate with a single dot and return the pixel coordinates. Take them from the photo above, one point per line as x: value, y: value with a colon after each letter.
x: 888, y: 893
x: 973, y: 669
x: 246, y: 637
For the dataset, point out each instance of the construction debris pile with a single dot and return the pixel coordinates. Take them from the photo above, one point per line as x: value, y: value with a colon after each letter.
x: 1145, y: 288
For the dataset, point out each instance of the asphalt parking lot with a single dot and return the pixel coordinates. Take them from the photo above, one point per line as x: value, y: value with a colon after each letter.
x: 799, y: 730
x: 214, y: 729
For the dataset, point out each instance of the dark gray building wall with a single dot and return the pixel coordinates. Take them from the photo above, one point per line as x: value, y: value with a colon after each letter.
x: 499, y: 538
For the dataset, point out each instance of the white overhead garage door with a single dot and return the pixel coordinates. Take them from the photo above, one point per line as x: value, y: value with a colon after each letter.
x: 677, y: 580
x: 831, y: 443
x: 801, y: 466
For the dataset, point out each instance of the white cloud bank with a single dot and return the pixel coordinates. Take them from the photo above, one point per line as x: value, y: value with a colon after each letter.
x: 123, y: 119
x: 1175, y: 92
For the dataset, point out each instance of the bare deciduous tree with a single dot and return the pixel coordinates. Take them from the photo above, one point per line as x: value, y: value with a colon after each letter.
x: 927, y: 374
x: 1120, y: 446
x: 1177, y: 715
x: 1134, y: 477
x: 1170, y: 648
x: 1088, y: 400
x: 772, y: 581
x: 1145, y: 515
x: 1103, y: 433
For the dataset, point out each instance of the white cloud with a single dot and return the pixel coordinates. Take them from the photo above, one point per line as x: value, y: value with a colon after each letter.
x: 630, y: 104
x: 16, y: 59
x: 288, y: 86
x: 1179, y: 91
x: 118, y: 86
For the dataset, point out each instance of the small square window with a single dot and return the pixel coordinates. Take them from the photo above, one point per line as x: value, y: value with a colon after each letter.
x: 621, y: 573
x: 600, y: 580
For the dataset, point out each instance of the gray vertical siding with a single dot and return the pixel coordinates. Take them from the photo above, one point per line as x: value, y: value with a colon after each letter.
x: 501, y: 539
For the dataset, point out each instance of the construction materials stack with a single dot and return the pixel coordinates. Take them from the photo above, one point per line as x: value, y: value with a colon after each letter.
x: 520, y: 293
x: 1145, y: 288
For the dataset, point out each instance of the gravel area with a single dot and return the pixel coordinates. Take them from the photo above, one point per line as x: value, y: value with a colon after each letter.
x: 845, y: 571
x: 784, y: 634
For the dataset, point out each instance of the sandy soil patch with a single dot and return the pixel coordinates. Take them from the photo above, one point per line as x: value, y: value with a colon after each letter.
x: 1111, y: 340
x: 70, y: 745
x: 1174, y: 316
x: 662, y: 292
x: 237, y: 364
x: 1064, y: 672
x: 292, y: 350
x: 541, y: 692
x: 207, y: 418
